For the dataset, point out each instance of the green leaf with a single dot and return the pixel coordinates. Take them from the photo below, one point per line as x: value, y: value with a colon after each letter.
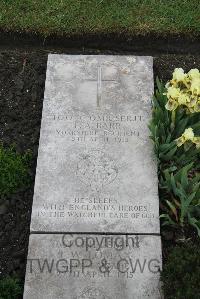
x: 194, y: 222
x: 173, y: 209
x: 168, y: 220
x: 169, y: 155
x: 182, y: 171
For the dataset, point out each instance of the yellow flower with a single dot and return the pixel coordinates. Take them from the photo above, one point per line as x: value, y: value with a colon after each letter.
x: 188, y: 135
x: 194, y: 73
x: 196, y: 140
x: 173, y: 92
x: 171, y: 105
x: 178, y: 76
x: 195, y: 86
x: 197, y: 107
x: 167, y: 85
x: 190, y: 110
x: 183, y: 99
x: 184, y: 90
x: 180, y: 141
x: 192, y: 102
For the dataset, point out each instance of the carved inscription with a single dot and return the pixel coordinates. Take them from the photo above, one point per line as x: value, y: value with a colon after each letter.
x: 92, y: 293
x: 99, y: 127
x: 100, y: 208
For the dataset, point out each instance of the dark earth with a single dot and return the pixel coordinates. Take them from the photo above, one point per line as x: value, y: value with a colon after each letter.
x: 22, y: 79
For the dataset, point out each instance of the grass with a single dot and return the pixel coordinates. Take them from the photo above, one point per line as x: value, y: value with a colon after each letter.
x: 69, y: 17
x: 14, y: 170
x: 10, y: 288
x: 181, y: 272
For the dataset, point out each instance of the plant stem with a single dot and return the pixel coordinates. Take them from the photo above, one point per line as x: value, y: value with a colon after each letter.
x: 173, y: 120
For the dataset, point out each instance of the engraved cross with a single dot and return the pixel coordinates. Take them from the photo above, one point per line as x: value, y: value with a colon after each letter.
x: 99, y: 81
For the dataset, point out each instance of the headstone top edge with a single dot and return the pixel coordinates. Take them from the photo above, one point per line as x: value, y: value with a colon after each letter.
x: 147, y: 57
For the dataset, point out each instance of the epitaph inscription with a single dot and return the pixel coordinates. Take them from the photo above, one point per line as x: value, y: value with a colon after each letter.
x: 96, y: 171
x: 93, y: 266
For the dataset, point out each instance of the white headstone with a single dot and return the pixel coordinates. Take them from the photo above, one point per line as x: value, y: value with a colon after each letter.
x: 96, y: 171
x: 95, y: 218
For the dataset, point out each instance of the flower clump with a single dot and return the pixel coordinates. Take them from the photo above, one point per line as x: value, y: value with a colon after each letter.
x: 184, y: 90
x: 188, y: 137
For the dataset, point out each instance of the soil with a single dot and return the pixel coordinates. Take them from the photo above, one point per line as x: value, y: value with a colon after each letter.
x: 152, y: 43
x: 22, y: 79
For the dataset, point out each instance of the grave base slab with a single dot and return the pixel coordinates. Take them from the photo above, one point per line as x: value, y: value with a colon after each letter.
x: 80, y: 266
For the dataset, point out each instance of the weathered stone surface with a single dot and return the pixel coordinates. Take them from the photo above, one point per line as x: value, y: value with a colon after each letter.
x: 96, y: 171
x: 93, y: 266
